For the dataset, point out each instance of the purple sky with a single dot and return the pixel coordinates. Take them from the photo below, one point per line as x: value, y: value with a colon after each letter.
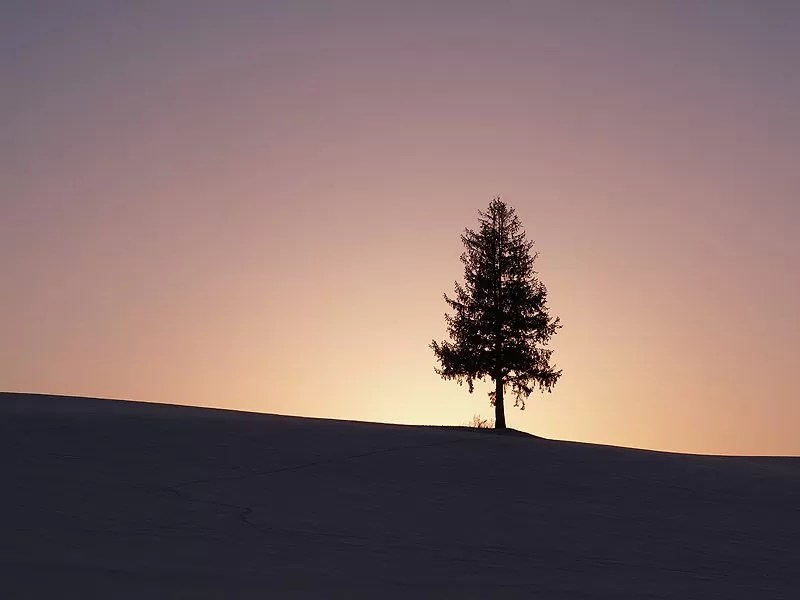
x: 257, y: 205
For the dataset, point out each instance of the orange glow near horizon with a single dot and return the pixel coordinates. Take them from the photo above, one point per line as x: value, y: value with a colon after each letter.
x: 259, y: 208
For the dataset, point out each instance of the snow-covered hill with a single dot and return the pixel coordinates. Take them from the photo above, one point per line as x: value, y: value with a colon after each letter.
x: 112, y: 499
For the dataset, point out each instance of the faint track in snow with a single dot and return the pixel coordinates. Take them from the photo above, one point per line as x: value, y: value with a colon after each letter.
x: 244, y: 512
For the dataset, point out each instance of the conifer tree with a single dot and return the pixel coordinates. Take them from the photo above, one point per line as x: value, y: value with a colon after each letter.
x: 500, y: 325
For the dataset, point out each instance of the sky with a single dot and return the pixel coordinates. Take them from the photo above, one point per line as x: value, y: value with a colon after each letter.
x: 257, y: 205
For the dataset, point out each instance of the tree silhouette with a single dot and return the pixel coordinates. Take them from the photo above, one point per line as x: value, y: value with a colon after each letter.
x: 500, y: 326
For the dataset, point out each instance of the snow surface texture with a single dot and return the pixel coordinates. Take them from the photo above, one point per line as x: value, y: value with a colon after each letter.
x: 110, y: 499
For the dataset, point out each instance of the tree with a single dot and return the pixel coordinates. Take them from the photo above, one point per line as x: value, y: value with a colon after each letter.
x: 500, y: 326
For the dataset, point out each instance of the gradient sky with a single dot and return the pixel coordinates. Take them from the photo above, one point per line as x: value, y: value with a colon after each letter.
x: 256, y: 205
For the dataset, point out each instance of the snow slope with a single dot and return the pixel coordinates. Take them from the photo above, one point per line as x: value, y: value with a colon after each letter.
x: 118, y: 499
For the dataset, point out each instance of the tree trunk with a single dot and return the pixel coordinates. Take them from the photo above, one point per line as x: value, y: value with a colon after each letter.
x: 499, y: 410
